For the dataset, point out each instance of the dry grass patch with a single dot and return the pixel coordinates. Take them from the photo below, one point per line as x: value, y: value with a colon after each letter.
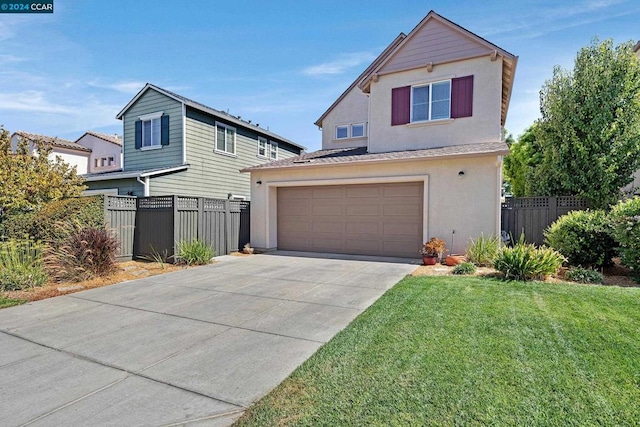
x: 129, y: 270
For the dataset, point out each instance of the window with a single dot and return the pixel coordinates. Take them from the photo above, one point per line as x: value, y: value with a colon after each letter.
x: 262, y: 147
x: 434, y: 101
x: 152, y: 131
x: 354, y: 130
x: 267, y: 148
x: 431, y: 102
x: 112, y: 161
x: 96, y: 163
x: 225, y: 139
x: 342, y: 132
x: 357, y: 130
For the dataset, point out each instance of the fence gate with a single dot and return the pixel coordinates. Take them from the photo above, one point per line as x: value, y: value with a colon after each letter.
x: 532, y: 215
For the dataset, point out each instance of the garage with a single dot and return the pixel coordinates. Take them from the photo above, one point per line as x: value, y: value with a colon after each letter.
x: 371, y: 219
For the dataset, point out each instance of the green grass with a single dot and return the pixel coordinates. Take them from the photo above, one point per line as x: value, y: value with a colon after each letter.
x: 7, y: 302
x: 473, y: 351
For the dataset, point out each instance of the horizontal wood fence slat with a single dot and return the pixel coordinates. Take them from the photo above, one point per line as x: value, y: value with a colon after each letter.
x: 155, y: 225
x: 532, y: 215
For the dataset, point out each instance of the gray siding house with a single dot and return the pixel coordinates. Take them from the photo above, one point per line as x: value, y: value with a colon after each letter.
x: 173, y: 145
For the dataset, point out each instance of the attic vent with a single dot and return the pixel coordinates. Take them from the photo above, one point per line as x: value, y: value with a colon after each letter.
x: 302, y: 161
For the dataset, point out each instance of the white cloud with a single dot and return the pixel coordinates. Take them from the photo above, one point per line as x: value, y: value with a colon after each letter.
x: 131, y: 87
x: 340, y: 65
x: 31, y: 101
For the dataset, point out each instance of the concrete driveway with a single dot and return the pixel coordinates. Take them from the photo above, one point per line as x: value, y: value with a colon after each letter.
x: 195, y: 346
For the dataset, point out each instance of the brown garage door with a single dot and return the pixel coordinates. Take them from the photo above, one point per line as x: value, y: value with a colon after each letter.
x: 379, y: 219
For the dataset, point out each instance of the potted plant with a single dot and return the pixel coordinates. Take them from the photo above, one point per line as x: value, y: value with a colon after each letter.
x: 432, y: 251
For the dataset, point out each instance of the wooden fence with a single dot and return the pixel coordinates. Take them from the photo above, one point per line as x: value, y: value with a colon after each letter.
x: 148, y: 225
x: 532, y: 215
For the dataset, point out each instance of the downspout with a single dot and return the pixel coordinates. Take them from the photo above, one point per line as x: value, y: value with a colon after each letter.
x: 184, y: 134
x: 368, y: 121
x: 145, y: 184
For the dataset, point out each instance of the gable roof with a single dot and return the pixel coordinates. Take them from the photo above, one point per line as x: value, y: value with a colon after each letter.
x: 114, y: 139
x: 349, y: 156
x: 476, y: 46
x: 374, y: 64
x: 52, y: 141
x: 205, y: 109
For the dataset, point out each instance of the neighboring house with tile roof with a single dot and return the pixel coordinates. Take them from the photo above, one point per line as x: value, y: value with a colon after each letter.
x: 173, y: 145
x: 411, y: 150
x: 106, y: 151
x: 72, y: 153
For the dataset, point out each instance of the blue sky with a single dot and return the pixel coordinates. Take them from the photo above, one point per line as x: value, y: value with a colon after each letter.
x: 278, y: 63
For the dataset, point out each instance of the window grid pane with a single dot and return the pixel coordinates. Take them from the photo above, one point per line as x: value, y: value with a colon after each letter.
x: 342, y: 132
x: 440, y: 100
x: 357, y: 131
x: 220, y: 143
x: 420, y: 103
x: 231, y: 148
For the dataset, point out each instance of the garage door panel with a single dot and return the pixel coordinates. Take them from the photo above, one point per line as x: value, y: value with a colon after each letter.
x: 364, y: 210
x: 377, y: 219
x: 402, y: 190
x: 328, y: 192
x: 328, y: 210
x: 363, y: 191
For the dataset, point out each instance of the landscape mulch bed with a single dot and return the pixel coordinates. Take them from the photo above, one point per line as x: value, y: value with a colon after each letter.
x: 616, y: 275
x: 129, y: 270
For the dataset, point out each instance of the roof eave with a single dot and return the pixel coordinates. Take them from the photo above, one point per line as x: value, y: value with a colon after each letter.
x: 359, y: 162
x: 137, y: 174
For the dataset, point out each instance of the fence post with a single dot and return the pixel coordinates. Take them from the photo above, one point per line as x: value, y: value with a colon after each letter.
x: 200, y: 221
x: 553, y: 208
x: 176, y: 225
x: 105, y: 206
x: 227, y: 226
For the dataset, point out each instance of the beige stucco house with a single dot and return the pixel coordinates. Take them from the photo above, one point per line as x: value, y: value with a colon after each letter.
x: 411, y: 150
x: 106, y: 151
x: 70, y: 152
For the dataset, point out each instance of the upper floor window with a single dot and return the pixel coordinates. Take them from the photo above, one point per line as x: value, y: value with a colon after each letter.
x: 225, y: 138
x: 152, y: 131
x: 353, y: 130
x: 267, y: 148
x: 432, y: 101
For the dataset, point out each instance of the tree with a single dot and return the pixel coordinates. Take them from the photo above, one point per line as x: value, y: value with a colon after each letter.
x: 589, y: 133
x: 522, y: 160
x: 29, y: 181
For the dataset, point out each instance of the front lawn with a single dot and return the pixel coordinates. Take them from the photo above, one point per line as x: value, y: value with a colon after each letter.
x: 473, y: 351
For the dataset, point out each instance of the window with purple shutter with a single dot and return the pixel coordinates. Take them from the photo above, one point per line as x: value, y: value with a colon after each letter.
x: 400, y: 105
x: 461, y: 97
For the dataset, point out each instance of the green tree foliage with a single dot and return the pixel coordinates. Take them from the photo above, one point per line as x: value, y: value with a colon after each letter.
x: 521, y: 163
x: 28, y: 181
x: 589, y: 133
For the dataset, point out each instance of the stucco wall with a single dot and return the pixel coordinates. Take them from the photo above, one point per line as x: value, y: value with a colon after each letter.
x: 99, y: 149
x: 470, y: 204
x: 354, y: 108
x: 71, y: 158
x: 483, y: 126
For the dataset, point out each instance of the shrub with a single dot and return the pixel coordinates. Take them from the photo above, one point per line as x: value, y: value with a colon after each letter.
x: 44, y: 225
x: 526, y: 262
x: 86, y: 253
x: 464, y: 268
x: 21, y: 265
x: 583, y: 237
x: 482, y: 251
x: 194, y: 252
x: 584, y: 275
x: 625, y: 221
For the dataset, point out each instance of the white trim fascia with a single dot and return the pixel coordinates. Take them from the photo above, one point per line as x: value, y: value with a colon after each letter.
x: 184, y: 134
x: 135, y: 174
x: 350, y: 181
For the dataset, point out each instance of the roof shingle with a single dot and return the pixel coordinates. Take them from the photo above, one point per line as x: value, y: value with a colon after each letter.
x: 53, y: 141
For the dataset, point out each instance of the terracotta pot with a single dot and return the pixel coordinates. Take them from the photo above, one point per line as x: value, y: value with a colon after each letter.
x: 429, y: 259
x: 452, y: 260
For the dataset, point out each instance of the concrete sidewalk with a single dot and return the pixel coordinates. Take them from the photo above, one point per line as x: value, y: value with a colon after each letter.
x: 193, y: 347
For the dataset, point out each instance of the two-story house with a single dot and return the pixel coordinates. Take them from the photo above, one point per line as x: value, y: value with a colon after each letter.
x: 411, y: 150
x: 173, y: 145
x: 70, y: 152
x: 106, y: 151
